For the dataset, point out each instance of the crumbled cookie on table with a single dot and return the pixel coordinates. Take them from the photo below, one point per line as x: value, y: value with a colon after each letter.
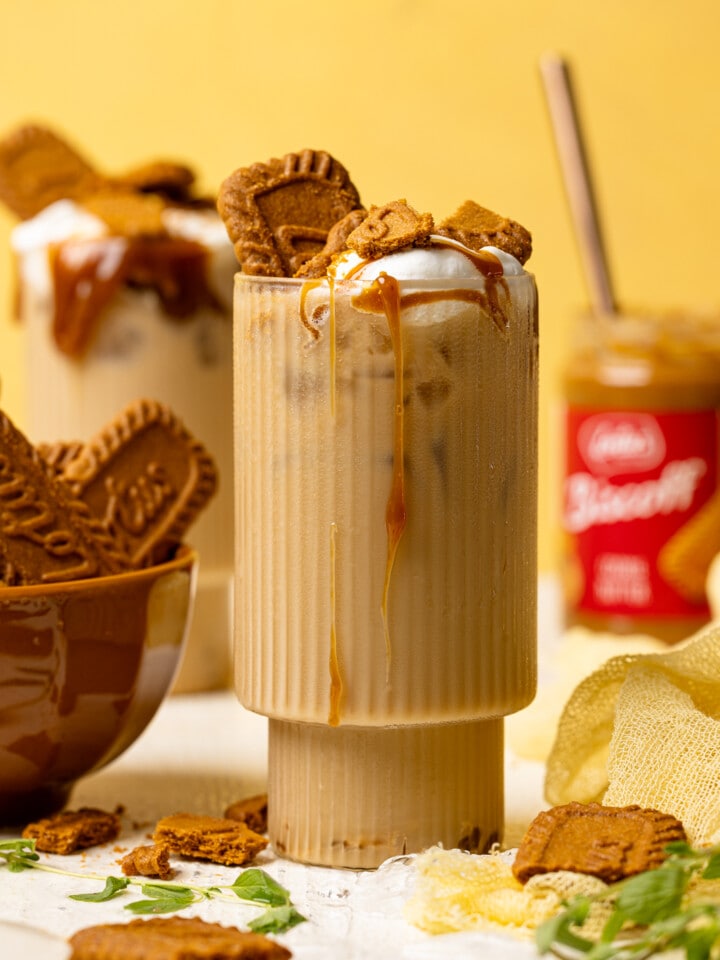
x: 217, y: 839
x: 151, y: 860
x: 252, y: 811
x: 73, y: 830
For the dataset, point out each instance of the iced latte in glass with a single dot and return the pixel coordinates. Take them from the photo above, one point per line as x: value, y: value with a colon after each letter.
x: 386, y: 424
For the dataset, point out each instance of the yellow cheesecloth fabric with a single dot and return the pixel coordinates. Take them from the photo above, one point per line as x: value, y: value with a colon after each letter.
x: 645, y: 729
x: 457, y: 891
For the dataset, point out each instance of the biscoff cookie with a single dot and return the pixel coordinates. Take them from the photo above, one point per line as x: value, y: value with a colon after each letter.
x: 150, y: 860
x: 278, y: 214
x: 336, y: 242
x: 37, y: 167
x: 172, y: 180
x: 58, y: 455
x: 73, y: 830
x: 46, y: 536
x: 145, y: 478
x: 388, y: 228
x: 217, y: 839
x: 127, y: 213
x: 172, y: 938
x: 478, y: 227
x: 607, y: 842
x: 252, y: 811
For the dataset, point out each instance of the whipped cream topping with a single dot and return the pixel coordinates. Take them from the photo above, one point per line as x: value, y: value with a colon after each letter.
x: 443, y: 258
x: 67, y: 220
x: 57, y: 222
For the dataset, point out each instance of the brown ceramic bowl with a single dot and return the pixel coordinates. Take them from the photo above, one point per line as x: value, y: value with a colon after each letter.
x: 83, y: 668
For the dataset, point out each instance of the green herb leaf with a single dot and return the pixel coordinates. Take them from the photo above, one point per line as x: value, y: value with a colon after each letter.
x: 698, y: 943
x: 167, y: 891
x: 653, y: 904
x: 259, y: 887
x: 712, y: 870
x: 653, y: 895
x: 253, y: 885
x: 113, y: 886
x: 163, y: 898
x: 25, y: 848
x: 277, y: 920
x: 558, y: 928
x: 17, y: 853
x: 159, y: 905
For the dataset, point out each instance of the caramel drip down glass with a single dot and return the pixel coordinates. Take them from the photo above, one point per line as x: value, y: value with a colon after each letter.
x: 386, y: 578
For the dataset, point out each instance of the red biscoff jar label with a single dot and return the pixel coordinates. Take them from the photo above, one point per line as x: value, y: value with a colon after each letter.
x: 633, y: 480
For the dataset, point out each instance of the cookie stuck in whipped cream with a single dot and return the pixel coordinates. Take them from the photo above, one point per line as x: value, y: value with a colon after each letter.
x: 294, y: 216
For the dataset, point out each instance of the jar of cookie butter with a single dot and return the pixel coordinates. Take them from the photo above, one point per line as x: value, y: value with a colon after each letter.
x: 641, y: 488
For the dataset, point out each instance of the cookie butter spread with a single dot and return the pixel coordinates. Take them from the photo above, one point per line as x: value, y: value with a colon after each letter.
x: 641, y: 506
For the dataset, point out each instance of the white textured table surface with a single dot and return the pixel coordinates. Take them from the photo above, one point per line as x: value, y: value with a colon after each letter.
x: 202, y: 752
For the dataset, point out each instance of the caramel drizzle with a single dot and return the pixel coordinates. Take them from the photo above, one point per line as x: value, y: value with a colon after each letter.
x: 87, y: 275
x: 485, y: 262
x: 304, y: 319
x: 333, y: 348
x: 388, y: 290
x: 383, y: 295
x: 336, y: 683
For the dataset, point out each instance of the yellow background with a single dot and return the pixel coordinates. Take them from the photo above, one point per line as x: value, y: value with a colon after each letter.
x: 434, y: 100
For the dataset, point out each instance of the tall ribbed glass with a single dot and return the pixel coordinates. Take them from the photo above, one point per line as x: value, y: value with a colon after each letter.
x: 386, y: 456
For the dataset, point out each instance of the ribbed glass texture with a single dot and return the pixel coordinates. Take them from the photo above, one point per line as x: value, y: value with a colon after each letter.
x: 335, y: 419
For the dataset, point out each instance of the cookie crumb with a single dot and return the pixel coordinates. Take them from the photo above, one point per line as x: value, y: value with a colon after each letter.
x: 148, y: 861
x: 252, y: 811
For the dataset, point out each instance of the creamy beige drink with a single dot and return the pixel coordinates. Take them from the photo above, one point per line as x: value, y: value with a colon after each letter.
x: 386, y: 422
x: 96, y: 339
x: 125, y: 289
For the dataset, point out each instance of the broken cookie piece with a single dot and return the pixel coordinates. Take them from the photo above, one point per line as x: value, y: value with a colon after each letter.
x: 252, y: 811
x: 607, y: 842
x: 217, y: 839
x: 73, y: 830
x: 478, y: 227
x: 336, y: 242
x: 172, y: 938
x: 278, y: 214
x: 169, y: 179
x: 127, y: 213
x: 37, y: 167
x: 388, y: 228
x: 151, y: 860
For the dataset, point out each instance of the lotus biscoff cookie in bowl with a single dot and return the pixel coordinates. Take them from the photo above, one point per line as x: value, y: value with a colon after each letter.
x: 96, y: 590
